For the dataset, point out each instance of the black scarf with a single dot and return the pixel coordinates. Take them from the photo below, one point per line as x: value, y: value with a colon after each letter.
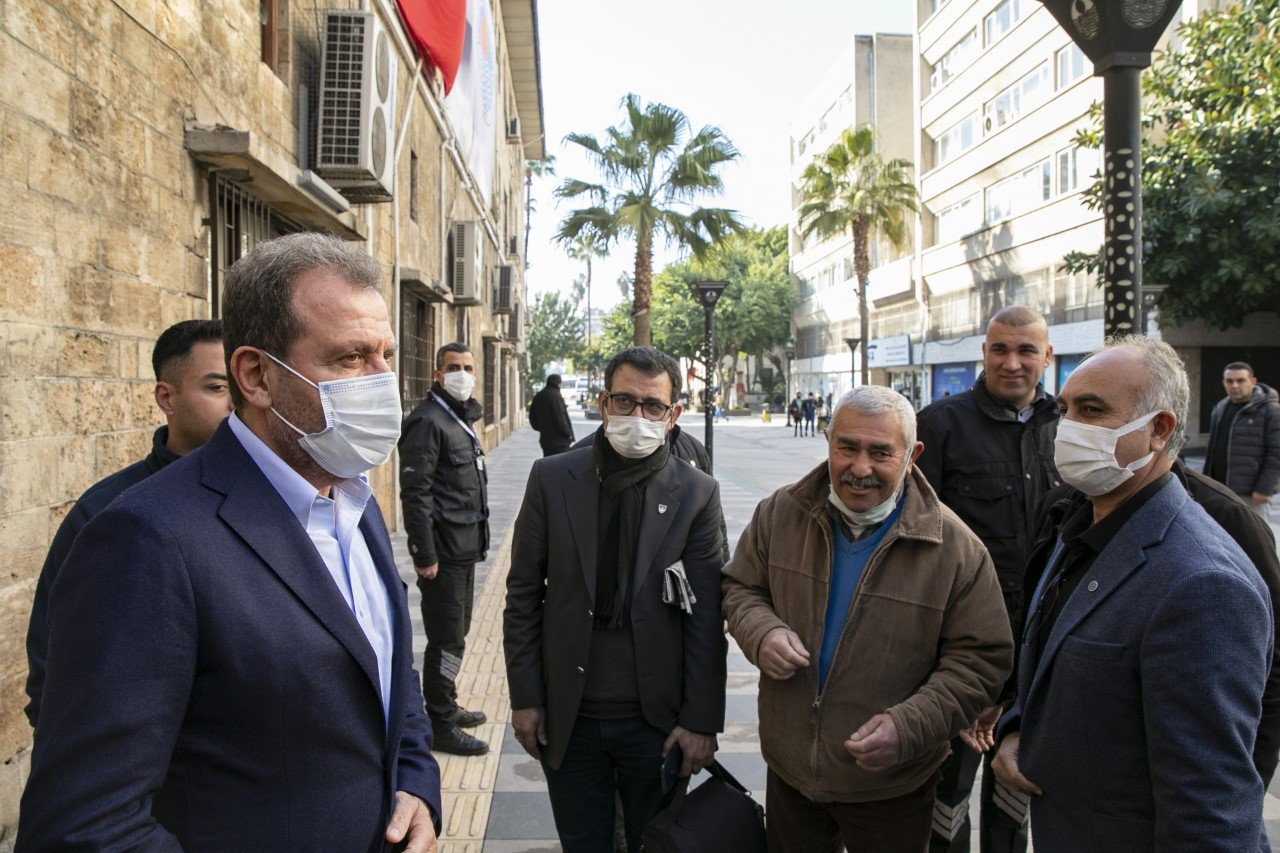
x: 625, y: 481
x: 468, y: 411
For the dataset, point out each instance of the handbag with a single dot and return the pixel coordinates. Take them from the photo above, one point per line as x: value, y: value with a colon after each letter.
x: 718, y: 816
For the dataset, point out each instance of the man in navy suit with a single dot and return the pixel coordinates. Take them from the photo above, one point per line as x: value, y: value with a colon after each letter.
x: 1149, y: 641
x: 230, y: 661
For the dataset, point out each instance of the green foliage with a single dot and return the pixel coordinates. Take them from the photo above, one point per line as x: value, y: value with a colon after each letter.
x: 652, y: 168
x: 1211, y: 169
x: 555, y: 333
x: 753, y: 314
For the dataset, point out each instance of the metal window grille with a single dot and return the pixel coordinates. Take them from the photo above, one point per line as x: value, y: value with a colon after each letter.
x: 417, y: 348
x: 490, y: 380
x: 240, y: 221
x: 507, y: 385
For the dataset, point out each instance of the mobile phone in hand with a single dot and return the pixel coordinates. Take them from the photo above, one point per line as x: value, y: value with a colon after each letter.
x: 671, y: 768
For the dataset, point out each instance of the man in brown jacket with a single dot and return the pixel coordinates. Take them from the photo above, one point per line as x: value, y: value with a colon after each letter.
x: 860, y: 564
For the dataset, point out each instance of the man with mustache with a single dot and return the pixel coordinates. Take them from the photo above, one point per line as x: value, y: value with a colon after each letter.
x: 907, y: 643
x: 989, y: 456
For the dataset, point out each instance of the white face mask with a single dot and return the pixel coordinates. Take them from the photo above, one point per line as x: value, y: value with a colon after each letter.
x: 459, y: 384
x: 875, y: 515
x: 362, y: 422
x: 635, y: 437
x: 1086, y: 455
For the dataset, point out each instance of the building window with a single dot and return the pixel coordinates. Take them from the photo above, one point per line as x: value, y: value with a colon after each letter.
x: 413, y: 185
x: 952, y: 314
x: 269, y: 22
x: 1071, y: 65
x: 417, y: 347
x: 1018, y: 193
x: 1081, y: 297
x: 952, y: 223
x: 954, y: 60
x: 490, y: 379
x: 239, y: 222
x: 507, y: 386
x: 1018, y: 99
x: 1075, y: 166
x: 955, y: 139
x: 1003, y: 19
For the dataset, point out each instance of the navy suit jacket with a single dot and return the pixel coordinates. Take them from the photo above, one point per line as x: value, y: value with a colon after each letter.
x: 209, y: 689
x: 1139, y: 717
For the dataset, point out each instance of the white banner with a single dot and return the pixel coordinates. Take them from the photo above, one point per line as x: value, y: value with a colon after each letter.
x: 472, y: 103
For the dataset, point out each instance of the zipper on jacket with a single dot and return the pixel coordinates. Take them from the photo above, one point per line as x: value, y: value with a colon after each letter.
x: 813, y: 714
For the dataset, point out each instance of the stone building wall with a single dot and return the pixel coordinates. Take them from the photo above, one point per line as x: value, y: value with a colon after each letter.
x: 105, y: 221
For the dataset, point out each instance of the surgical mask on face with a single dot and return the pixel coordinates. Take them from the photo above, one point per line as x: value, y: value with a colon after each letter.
x: 635, y: 437
x: 1086, y: 455
x: 459, y: 384
x: 875, y: 515
x: 362, y: 422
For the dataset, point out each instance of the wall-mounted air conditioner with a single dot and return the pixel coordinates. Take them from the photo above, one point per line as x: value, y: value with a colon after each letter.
x: 502, y: 295
x: 467, y: 263
x: 513, y: 129
x: 355, y: 126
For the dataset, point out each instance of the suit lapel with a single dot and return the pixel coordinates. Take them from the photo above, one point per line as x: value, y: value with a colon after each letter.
x: 1123, y: 555
x: 376, y: 537
x: 656, y: 517
x: 582, y: 505
x: 256, y: 512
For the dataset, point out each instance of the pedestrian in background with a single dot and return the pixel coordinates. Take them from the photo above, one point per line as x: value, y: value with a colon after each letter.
x: 1244, y: 438
x: 549, y: 415
x: 988, y: 453
x: 793, y: 412
x: 612, y: 630
x: 876, y: 620
x: 192, y: 393
x: 1149, y: 643
x: 230, y: 657
x: 444, y: 495
x: 810, y: 411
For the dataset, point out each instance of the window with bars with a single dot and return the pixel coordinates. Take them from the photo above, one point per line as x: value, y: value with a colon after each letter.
x: 490, y: 379
x: 240, y: 221
x: 417, y: 347
x: 507, y: 385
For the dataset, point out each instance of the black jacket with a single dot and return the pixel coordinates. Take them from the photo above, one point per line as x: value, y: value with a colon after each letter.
x: 549, y: 415
x: 1253, y: 447
x: 1250, y: 532
x: 443, y: 483
x: 92, y: 502
x: 992, y: 471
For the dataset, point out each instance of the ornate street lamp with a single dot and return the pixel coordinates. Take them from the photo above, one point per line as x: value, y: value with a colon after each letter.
x: 853, y: 365
x: 790, y: 353
x: 1118, y: 37
x: 708, y: 293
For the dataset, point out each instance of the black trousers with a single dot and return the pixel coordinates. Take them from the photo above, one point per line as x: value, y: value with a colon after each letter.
x: 999, y: 832
x: 796, y: 824
x: 446, y: 617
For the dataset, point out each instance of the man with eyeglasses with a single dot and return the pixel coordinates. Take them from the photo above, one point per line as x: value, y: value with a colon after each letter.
x: 612, y: 630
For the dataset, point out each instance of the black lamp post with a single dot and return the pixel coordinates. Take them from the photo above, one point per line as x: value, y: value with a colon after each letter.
x: 1118, y: 37
x: 790, y: 353
x: 708, y: 293
x: 853, y: 365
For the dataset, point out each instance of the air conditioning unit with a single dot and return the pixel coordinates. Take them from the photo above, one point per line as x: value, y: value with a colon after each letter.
x: 513, y: 247
x: 355, y: 126
x: 513, y: 129
x: 502, y: 295
x: 988, y: 123
x: 467, y: 264
x: 935, y: 80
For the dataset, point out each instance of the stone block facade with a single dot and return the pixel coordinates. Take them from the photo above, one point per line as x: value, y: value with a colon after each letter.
x: 112, y: 228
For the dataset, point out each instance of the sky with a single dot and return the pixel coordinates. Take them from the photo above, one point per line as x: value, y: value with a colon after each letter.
x: 742, y: 65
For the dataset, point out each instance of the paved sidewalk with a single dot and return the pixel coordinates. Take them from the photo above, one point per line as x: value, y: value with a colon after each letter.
x: 497, y: 803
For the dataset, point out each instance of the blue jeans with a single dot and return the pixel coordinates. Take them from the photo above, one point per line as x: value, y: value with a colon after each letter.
x: 604, y: 758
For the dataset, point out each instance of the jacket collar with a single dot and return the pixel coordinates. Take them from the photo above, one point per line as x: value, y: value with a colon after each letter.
x: 1000, y: 411
x: 160, y: 454
x: 921, y: 516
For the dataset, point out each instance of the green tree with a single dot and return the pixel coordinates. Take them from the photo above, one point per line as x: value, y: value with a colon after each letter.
x: 850, y: 188
x: 589, y: 244
x: 1211, y: 169
x: 652, y: 169
x: 555, y: 333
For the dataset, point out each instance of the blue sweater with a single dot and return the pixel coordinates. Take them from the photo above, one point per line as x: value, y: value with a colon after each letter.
x: 847, y: 563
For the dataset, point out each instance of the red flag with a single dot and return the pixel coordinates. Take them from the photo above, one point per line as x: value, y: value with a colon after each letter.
x: 437, y: 29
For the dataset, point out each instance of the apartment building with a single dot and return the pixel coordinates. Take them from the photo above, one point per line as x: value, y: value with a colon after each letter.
x: 145, y: 146
x: 870, y: 82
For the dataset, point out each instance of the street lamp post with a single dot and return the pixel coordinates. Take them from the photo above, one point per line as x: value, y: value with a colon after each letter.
x: 853, y: 364
x: 708, y: 293
x: 1118, y: 37
x: 790, y: 353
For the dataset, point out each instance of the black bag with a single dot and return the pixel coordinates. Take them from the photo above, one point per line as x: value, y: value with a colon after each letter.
x: 718, y: 816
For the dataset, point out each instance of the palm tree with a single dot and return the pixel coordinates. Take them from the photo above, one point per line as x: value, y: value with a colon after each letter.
x: 850, y: 188
x: 652, y: 170
x: 587, y: 245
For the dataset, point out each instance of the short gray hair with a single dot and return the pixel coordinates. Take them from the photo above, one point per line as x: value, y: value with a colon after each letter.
x: 1167, y: 389
x: 879, y: 400
x: 257, y: 295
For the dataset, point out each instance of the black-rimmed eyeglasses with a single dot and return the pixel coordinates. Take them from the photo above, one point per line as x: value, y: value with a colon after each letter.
x: 625, y: 404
